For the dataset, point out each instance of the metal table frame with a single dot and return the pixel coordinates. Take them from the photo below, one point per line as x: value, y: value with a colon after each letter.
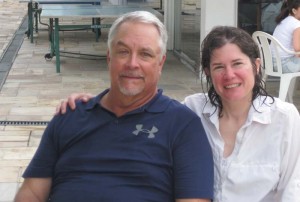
x: 34, y: 10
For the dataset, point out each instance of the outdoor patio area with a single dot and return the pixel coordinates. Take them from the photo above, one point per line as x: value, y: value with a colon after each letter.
x: 31, y: 88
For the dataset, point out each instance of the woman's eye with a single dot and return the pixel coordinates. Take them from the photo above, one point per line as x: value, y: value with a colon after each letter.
x: 218, y: 67
x: 237, y: 64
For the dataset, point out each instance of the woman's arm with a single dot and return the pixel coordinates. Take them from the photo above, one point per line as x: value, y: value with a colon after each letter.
x: 193, y: 200
x: 289, y: 185
x: 296, y: 40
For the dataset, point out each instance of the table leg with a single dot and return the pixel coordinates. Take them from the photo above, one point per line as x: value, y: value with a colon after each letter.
x: 51, y: 38
x: 50, y: 55
x: 98, y: 29
x: 36, y: 8
x: 30, y: 22
x: 56, y: 42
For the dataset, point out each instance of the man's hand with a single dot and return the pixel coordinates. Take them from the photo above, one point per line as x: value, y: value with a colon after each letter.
x: 61, y: 108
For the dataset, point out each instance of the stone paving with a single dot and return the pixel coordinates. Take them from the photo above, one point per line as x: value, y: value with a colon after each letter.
x: 33, y: 88
x: 10, y: 11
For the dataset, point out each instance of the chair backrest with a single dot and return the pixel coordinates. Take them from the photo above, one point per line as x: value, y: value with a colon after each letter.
x: 269, y: 52
x: 270, y: 48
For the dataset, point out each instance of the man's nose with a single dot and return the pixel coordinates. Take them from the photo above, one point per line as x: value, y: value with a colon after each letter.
x: 132, y: 61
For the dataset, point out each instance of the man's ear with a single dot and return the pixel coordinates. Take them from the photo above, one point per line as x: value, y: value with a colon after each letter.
x: 107, y: 56
x: 161, y: 63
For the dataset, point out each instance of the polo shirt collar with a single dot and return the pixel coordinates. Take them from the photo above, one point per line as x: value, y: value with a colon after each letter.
x: 157, y: 104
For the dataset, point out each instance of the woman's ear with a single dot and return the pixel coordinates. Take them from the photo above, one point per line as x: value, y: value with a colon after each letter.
x: 258, y: 65
x: 206, y: 71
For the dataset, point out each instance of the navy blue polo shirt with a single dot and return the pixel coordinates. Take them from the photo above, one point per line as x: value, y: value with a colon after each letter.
x: 158, y: 152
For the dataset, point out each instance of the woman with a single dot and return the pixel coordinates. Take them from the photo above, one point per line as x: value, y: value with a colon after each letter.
x: 254, y: 137
x: 287, y: 32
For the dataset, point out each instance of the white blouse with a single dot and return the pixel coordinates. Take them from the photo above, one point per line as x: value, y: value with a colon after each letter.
x: 265, y: 163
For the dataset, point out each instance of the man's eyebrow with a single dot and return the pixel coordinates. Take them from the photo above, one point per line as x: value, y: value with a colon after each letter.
x: 120, y: 43
x: 147, y: 49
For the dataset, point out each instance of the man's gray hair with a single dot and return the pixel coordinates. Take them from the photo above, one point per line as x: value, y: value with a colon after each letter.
x: 141, y: 17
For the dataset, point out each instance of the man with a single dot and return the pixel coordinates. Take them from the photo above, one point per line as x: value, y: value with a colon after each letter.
x: 130, y: 143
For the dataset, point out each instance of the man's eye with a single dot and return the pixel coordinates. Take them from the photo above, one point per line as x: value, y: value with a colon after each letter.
x: 145, y: 54
x: 122, y: 52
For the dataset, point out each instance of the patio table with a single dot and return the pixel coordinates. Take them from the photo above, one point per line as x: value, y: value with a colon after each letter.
x: 35, y: 6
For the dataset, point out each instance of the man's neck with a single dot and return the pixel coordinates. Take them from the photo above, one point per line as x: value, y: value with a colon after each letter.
x: 121, y: 104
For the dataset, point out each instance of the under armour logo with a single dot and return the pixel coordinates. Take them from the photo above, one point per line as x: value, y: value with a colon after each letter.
x: 139, y: 128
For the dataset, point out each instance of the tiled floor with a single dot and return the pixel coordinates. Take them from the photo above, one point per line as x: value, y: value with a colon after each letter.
x: 33, y: 89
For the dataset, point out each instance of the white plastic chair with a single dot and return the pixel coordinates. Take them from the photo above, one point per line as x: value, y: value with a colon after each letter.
x: 266, y: 43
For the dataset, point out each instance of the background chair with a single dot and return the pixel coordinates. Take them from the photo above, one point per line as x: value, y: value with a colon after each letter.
x: 266, y: 43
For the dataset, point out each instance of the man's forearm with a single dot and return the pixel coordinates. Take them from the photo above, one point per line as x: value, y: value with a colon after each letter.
x: 34, y: 190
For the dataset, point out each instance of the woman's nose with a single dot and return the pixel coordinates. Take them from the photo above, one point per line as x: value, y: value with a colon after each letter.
x: 228, y: 72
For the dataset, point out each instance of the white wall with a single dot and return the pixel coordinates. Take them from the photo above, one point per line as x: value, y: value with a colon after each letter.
x: 168, y: 8
x: 213, y: 13
x: 217, y: 12
x: 118, y: 2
